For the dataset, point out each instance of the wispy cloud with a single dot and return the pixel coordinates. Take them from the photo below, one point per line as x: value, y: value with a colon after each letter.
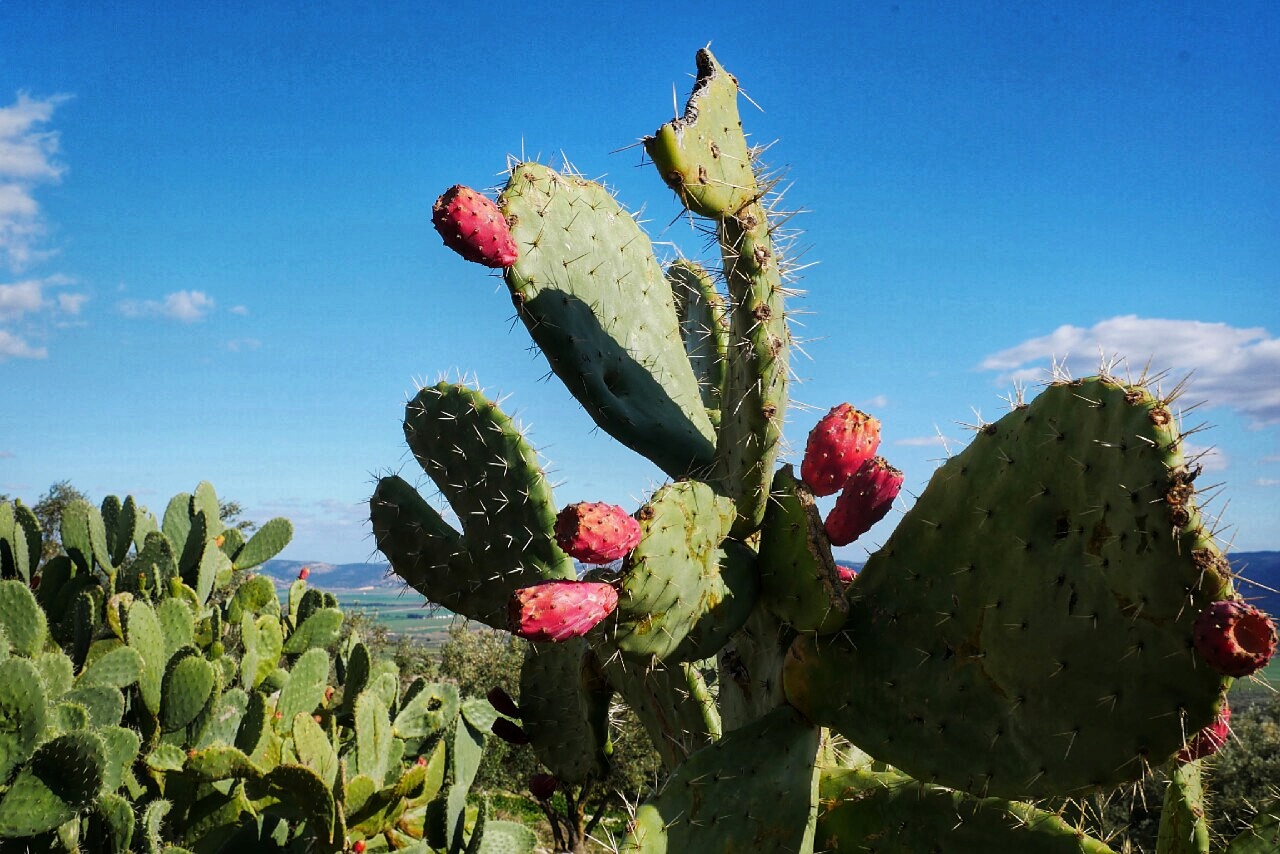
x: 1209, y: 458
x: 1267, y: 481
x: 28, y: 159
x: 1231, y: 366
x: 184, y: 306
x: 241, y: 344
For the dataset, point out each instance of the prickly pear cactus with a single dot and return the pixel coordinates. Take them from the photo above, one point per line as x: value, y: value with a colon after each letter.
x: 155, y: 696
x: 1030, y: 630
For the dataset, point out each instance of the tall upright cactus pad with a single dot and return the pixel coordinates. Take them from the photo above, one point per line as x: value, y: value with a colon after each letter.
x: 1026, y: 630
x: 493, y: 481
x: 755, y: 790
x: 704, y: 326
x: 592, y: 295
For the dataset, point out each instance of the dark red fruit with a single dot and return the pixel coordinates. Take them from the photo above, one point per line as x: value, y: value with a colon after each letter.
x: 1209, y: 740
x: 1235, y: 639
x: 838, y: 446
x: 501, y: 700
x: 542, y: 786
x: 865, y: 500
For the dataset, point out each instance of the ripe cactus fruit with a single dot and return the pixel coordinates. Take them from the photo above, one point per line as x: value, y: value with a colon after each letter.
x: 304, y: 573
x: 847, y: 574
x: 472, y: 226
x: 559, y: 610
x: 1234, y: 638
x: 594, y: 532
x: 841, y: 442
x: 1209, y: 740
x: 865, y: 500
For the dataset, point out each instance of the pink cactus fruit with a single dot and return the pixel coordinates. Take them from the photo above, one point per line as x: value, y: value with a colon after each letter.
x: 847, y: 574
x: 471, y: 225
x: 1235, y: 639
x: 866, y: 498
x: 558, y: 610
x: 304, y: 573
x: 501, y: 700
x: 543, y: 786
x: 594, y: 532
x: 1209, y: 740
x: 838, y: 446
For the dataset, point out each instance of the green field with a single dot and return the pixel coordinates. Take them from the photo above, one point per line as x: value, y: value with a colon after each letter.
x: 1266, y: 683
x: 402, y: 613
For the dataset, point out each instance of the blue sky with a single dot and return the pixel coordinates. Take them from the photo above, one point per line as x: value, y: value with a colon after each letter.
x: 216, y: 257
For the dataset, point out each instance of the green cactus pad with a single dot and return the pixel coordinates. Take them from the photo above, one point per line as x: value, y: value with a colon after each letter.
x: 429, y: 712
x: 263, y: 641
x: 305, y: 689
x: 23, y: 713
x: 222, y: 721
x: 188, y: 684
x: 703, y: 155
x: 561, y: 711
x: 704, y: 327
x: 1027, y: 629
x: 493, y: 481
x: 754, y: 790
x: 267, y: 542
x: 507, y: 837
x: 314, y: 748
x: 112, y: 824
x: 221, y: 762
x: 1183, y: 829
x: 178, y: 620
x: 151, y: 569
x: 671, y: 701
x: 373, y: 737
x: 672, y: 581
x: 22, y: 619
x: 64, y: 775
x: 145, y: 634
x: 887, y: 811
x: 1263, y: 835
x: 16, y: 558
x: 798, y: 578
x: 119, y: 668
x: 256, y: 595
x: 103, y: 704
x: 592, y: 295
x: 320, y: 630
x: 122, y: 749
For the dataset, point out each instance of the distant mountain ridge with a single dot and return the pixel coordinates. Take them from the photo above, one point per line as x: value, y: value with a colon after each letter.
x: 1261, y: 569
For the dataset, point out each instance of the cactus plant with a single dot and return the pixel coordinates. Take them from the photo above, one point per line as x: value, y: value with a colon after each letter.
x: 1027, y: 632
x: 154, y: 698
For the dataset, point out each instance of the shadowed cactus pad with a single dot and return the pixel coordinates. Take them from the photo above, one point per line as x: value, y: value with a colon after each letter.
x: 1027, y: 629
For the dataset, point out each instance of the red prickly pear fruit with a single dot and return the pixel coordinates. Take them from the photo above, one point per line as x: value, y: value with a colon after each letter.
x: 501, y: 700
x: 866, y: 498
x: 471, y: 225
x: 509, y: 731
x: 1235, y: 639
x: 594, y: 532
x: 358, y: 847
x: 847, y: 574
x: 558, y: 610
x: 422, y: 760
x: 543, y: 786
x: 304, y: 573
x: 1209, y: 740
x: 838, y: 446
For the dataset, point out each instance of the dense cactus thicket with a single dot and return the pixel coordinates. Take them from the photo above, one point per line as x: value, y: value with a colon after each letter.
x: 1031, y: 630
x: 157, y: 696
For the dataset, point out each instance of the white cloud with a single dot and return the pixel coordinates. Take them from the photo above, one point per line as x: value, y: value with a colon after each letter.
x: 20, y: 298
x: 6, y: 455
x: 71, y: 303
x: 877, y: 402
x: 1231, y: 366
x: 28, y: 158
x: 13, y: 347
x: 241, y: 310
x: 184, y: 306
x: 239, y: 344
x: 1267, y: 481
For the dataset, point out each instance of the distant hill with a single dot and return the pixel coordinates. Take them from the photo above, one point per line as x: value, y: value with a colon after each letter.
x: 1261, y: 569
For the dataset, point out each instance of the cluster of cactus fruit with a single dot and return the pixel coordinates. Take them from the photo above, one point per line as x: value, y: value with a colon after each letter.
x: 1051, y: 618
x: 157, y: 696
